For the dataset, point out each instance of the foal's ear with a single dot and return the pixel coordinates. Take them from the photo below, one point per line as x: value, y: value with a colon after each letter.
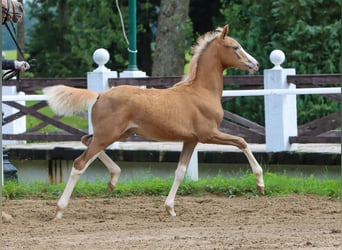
x: 224, y: 31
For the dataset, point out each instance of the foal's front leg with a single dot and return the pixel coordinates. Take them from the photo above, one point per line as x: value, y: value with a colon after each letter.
x: 222, y: 138
x: 188, y: 148
x: 257, y: 170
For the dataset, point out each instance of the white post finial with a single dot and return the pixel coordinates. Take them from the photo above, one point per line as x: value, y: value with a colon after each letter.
x: 277, y: 57
x: 101, y: 57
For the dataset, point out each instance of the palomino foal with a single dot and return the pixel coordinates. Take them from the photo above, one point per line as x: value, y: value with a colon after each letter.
x: 190, y: 112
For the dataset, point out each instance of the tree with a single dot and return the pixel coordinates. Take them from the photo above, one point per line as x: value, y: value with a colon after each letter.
x: 205, y: 16
x: 47, y: 39
x: 173, y: 25
x: 96, y: 25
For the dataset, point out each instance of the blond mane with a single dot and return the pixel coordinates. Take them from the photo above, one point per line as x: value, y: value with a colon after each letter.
x: 197, y: 50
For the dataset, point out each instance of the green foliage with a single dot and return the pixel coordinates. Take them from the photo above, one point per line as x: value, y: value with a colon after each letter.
x: 149, y: 186
x: 249, y: 107
x: 219, y: 185
x: 13, y: 190
x: 283, y: 185
x: 311, y: 107
x: 10, y: 54
x: 66, y: 34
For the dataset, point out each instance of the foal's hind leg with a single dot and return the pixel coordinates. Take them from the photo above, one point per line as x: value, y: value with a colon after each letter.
x: 79, y: 167
x: 222, y: 138
x: 113, y: 168
x: 183, y: 163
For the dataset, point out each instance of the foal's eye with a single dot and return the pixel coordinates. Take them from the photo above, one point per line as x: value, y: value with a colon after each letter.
x: 235, y: 47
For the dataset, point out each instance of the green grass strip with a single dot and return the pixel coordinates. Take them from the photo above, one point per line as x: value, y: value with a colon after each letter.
x: 242, y: 186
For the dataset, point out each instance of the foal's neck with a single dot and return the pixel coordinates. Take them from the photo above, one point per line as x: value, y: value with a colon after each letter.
x: 209, y: 74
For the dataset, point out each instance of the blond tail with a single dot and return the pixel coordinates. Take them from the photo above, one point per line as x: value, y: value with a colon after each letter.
x: 67, y: 100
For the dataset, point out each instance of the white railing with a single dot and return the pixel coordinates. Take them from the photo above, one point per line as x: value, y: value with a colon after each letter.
x: 225, y: 93
x: 264, y: 92
x: 15, y: 98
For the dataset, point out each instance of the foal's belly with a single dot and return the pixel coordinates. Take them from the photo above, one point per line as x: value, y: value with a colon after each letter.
x: 164, y: 133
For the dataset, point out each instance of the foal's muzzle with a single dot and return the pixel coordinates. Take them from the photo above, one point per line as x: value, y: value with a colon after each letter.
x: 252, y: 66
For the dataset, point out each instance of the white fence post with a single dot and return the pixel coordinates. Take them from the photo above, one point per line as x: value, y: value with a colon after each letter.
x: 19, y: 125
x: 192, y: 172
x: 280, y: 110
x: 97, y: 80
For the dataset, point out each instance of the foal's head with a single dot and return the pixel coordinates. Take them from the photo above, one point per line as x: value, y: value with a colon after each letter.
x: 12, y: 11
x: 233, y: 55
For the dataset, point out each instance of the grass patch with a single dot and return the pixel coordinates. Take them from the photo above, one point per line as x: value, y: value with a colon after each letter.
x: 10, y: 54
x: 243, y: 186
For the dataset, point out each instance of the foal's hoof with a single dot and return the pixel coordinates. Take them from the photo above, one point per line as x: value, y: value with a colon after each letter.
x: 261, y: 189
x: 111, y: 187
x: 170, y: 210
x: 56, y: 219
x: 58, y: 216
x: 6, y: 218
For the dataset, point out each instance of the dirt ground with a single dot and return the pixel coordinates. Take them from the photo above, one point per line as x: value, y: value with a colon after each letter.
x: 209, y: 222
